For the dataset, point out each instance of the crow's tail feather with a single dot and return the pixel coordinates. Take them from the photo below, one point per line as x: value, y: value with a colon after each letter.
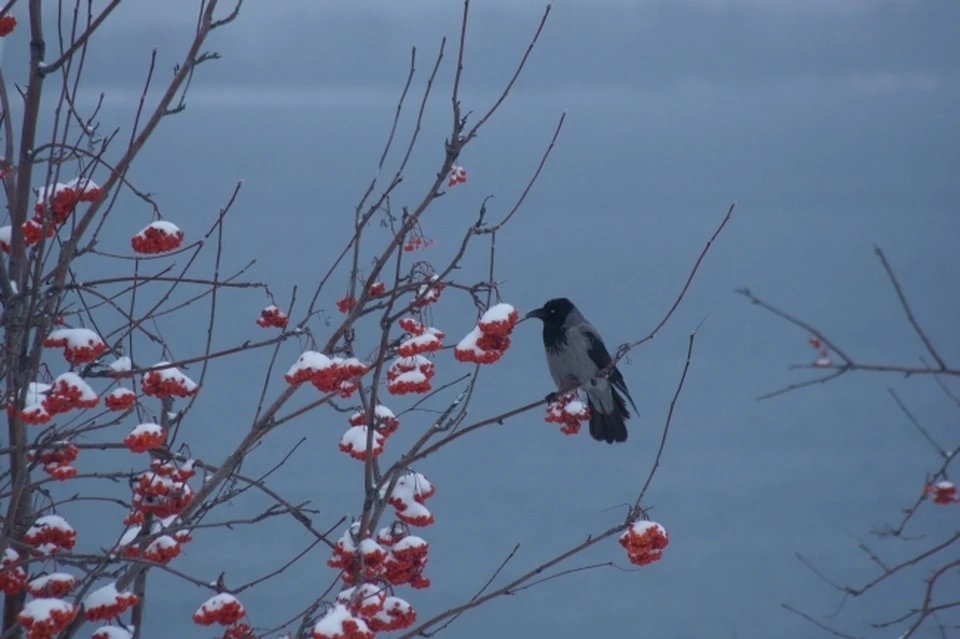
x: 609, y: 427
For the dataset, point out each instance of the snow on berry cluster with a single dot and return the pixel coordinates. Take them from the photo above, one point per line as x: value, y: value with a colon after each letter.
x: 49, y: 535
x: 568, y: 411
x: 408, y: 499
x: 165, y: 380
x: 163, y: 490
x: 53, y: 208
x: 272, y: 316
x: 226, y: 610
x: 58, y: 461
x: 490, y: 338
x: 410, y: 375
x: 328, y: 375
x: 942, y: 493
x: 157, y: 237
x: 458, y: 175
x: 393, y: 557
x: 644, y: 542
x: 80, y: 345
x: 354, y: 441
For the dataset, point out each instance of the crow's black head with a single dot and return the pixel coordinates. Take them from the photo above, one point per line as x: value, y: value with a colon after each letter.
x: 554, y: 312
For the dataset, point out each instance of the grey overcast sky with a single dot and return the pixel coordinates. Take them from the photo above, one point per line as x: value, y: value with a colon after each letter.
x: 834, y: 125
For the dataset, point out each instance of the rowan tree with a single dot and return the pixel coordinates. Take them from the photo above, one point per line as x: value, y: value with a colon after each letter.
x: 94, y: 365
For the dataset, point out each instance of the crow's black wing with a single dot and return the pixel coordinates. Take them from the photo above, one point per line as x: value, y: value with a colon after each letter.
x: 601, y: 357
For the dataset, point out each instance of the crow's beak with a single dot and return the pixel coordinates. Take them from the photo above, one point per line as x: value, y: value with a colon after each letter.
x: 538, y: 313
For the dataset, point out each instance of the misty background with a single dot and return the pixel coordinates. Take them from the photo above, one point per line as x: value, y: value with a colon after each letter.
x: 832, y: 124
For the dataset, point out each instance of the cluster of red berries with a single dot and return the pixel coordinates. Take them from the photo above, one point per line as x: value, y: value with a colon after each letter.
x: 458, y: 175
x: 163, y: 495
x: 423, y: 339
x: 354, y: 443
x: 410, y: 375
x: 107, y: 603
x: 120, y: 399
x: 145, y: 437
x: 823, y: 359
x: 346, y: 304
x: 490, y: 338
x: 7, y: 25
x: 340, y: 623
x: 157, y: 237
x: 50, y: 534
x: 377, y: 289
x: 417, y: 241
x: 409, y: 497
x: 223, y: 608
x: 394, y: 556
x: 944, y: 492
x: 46, y: 618
x: 568, y: 411
x: 168, y: 382
x: 328, y: 375
x: 272, y: 316
x: 385, y: 421
x: 80, y: 345
x: 12, y: 577
x: 111, y: 632
x: 61, y: 201
x: 69, y: 391
x: 428, y: 293
x: 644, y: 542
x: 56, y: 585
x: 58, y: 462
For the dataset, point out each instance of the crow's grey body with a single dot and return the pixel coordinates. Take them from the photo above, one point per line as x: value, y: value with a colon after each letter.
x: 575, y: 349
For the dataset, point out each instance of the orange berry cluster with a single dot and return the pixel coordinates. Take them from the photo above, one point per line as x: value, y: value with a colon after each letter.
x: 408, y: 498
x: 157, y: 237
x: 168, y: 382
x: 80, y: 345
x: 144, y: 437
x: 46, y: 618
x: 50, y: 534
x: 107, y: 603
x: 490, y: 338
x: 272, y: 316
x: 568, y: 411
x: 11, y: 579
x: 423, y: 339
x: 944, y: 492
x: 56, y: 585
x: 410, y: 375
x: 58, y: 462
x: 68, y: 392
x: 61, y: 201
x: 224, y: 609
x: 644, y: 542
x: 394, y: 556
x: 385, y: 421
x: 327, y: 374
x: 161, y: 495
x: 120, y: 399
x: 354, y: 443
x: 339, y: 623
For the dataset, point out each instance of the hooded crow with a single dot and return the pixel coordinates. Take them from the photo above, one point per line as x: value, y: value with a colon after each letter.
x: 575, y: 349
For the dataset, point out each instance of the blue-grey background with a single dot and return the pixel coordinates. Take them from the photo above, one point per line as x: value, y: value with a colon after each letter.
x: 832, y: 124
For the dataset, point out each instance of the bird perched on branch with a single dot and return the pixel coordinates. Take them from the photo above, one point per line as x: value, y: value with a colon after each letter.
x: 575, y: 351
